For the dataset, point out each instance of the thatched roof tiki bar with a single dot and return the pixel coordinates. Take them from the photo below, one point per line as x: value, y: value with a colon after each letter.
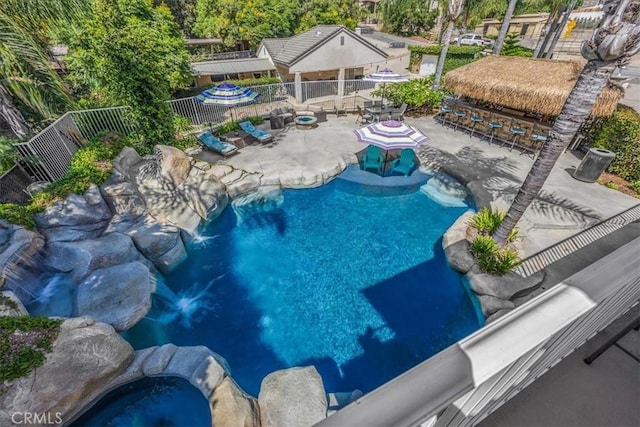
x: 520, y: 92
x: 532, y: 85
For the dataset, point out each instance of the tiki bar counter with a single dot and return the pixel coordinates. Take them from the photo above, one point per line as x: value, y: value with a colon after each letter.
x: 513, y: 100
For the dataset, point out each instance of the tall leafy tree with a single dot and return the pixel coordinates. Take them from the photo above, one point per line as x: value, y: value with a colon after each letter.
x: 183, y: 11
x: 407, y: 17
x: 612, y: 45
x: 453, y: 11
x: 234, y: 21
x: 131, y: 53
x: 26, y: 29
x: 329, y: 12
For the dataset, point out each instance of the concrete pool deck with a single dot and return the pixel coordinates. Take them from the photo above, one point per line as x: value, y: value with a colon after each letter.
x: 309, y: 158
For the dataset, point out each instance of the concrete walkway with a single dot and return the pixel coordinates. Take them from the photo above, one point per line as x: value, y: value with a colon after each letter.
x: 303, y: 158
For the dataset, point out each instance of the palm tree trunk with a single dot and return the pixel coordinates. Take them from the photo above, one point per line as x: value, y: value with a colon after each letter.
x: 443, y: 55
x: 13, y: 116
x: 563, y: 24
x: 506, y: 21
x: 577, y: 108
x: 544, y: 40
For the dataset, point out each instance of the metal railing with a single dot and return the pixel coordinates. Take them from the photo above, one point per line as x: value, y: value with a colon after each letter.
x: 55, y: 145
x: 12, y: 185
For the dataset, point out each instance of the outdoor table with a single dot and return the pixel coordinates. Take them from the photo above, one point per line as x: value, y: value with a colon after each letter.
x: 239, y: 138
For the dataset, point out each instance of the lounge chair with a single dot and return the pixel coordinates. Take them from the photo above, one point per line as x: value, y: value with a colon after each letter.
x: 258, y: 134
x: 404, y: 163
x: 214, y: 144
x: 373, y: 159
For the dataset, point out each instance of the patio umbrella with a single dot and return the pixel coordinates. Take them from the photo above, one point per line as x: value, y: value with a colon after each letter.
x: 385, y: 76
x: 391, y: 135
x: 229, y: 95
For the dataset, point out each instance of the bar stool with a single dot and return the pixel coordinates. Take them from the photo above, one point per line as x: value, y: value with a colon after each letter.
x: 444, y: 110
x: 475, y: 118
x: 459, y: 115
x: 538, y: 138
x: 517, y: 131
x: 493, y: 127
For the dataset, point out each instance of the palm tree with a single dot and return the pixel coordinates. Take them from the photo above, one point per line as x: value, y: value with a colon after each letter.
x: 26, y: 27
x: 454, y: 9
x: 612, y: 44
x: 504, y: 29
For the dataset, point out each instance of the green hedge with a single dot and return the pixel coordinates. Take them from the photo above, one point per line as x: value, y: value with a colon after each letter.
x: 620, y: 133
x: 457, y: 56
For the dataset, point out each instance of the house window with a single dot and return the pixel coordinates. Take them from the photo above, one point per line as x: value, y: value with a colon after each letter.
x: 341, y: 40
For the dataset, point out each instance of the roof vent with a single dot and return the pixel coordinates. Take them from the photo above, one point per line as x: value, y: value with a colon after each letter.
x: 318, y: 33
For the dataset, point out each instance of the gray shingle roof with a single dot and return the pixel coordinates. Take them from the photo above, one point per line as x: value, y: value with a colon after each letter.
x: 231, y: 66
x: 289, y: 50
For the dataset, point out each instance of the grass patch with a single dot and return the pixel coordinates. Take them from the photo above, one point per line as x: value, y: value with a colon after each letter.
x: 24, y: 342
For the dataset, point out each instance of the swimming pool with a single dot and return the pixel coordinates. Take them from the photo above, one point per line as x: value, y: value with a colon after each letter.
x: 353, y: 283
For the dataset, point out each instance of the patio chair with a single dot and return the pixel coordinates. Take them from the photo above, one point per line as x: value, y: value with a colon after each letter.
x: 405, y: 163
x: 258, y: 134
x: 214, y: 144
x: 373, y: 159
x: 363, y: 117
x: 398, y: 113
x: 339, y: 109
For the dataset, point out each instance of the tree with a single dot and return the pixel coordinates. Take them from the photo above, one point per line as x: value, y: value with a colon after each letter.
x: 131, y: 53
x: 612, y: 44
x: 329, y: 12
x: 26, y: 77
x: 504, y: 28
x: 454, y: 9
x: 235, y: 21
x: 183, y: 11
x: 407, y: 17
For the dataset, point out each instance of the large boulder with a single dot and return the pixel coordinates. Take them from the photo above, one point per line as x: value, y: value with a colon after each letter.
x: 122, y: 197
x: 80, y: 258
x: 125, y: 162
x: 176, y: 192
x: 85, y: 356
x: 203, y: 368
x: 10, y: 305
x: 233, y: 408
x: 456, y: 246
x: 118, y: 295
x: 19, y: 252
x: 75, y: 218
x: 504, y: 287
x: 160, y: 243
x: 292, y: 397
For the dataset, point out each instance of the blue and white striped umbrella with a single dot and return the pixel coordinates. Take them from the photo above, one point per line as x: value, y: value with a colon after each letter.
x: 227, y: 94
x: 385, y: 76
x: 391, y: 135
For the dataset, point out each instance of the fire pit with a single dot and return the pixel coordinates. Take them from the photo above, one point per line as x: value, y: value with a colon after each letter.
x: 305, y: 122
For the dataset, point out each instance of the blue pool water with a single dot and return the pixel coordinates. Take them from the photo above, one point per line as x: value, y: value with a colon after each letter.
x: 144, y: 404
x: 354, y: 284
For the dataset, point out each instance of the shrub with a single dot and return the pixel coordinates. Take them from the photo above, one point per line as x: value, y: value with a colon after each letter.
x: 24, y: 341
x: 457, y: 56
x: 511, y: 47
x: 417, y: 93
x: 620, y: 133
x: 635, y: 186
x: 486, y: 221
x: 492, y: 258
x: 8, y: 154
x: 235, y: 126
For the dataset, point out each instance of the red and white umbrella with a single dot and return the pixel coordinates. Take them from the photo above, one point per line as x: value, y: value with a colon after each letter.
x: 391, y: 135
